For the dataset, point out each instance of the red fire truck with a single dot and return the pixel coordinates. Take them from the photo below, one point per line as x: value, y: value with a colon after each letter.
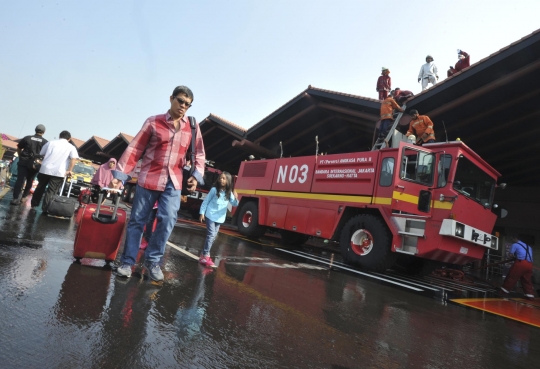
x: 433, y: 202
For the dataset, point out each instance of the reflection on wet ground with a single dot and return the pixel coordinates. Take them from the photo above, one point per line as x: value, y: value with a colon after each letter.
x: 263, y: 307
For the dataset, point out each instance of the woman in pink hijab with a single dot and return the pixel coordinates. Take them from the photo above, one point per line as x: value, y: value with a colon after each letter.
x: 103, y: 177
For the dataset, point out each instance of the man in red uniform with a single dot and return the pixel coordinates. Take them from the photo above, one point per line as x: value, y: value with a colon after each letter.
x: 384, y: 84
x: 421, y: 127
x: 402, y: 95
x: 461, y: 64
x: 522, y: 269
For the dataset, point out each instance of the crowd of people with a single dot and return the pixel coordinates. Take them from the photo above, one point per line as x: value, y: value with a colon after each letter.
x: 161, y: 145
x: 421, y: 127
x: 429, y: 74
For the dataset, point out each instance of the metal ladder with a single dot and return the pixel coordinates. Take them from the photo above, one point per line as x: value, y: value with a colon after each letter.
x: 381, y: 144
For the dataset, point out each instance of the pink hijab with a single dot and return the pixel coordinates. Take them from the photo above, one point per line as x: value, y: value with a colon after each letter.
x: 103, y: 175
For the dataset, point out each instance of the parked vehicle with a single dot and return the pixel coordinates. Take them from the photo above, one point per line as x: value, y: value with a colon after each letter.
x: 433, y: 202
x: 83, y: 172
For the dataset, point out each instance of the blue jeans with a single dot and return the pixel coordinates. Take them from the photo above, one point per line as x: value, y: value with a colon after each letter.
x: 143, y: 202
x: 212, y: 229
x: 386, y: 124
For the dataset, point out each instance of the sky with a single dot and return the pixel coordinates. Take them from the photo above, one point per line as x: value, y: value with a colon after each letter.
x: 102, y: 67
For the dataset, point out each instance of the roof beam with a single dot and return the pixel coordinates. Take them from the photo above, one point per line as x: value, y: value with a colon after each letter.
x: 215, y: 142
x: 324, y: 139
x: 286, y: 123
x: 348, y: 111
x: 253, y: 148
x: 498, y: 83
x: 487, y: 113
x: 314, y: 126
x: 212, y: 127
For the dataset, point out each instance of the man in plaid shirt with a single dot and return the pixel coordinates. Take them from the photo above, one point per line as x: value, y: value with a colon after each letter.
x: 164, y: 140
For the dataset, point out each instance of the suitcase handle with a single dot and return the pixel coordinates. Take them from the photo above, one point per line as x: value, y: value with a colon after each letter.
x: 71, y: 180
x: 106, y: 219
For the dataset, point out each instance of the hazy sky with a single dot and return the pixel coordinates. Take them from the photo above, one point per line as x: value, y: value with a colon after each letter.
x: 102, y: 67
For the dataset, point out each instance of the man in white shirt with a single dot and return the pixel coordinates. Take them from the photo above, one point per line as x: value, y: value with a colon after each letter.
x: 53, y: 168
x: 428, y: 73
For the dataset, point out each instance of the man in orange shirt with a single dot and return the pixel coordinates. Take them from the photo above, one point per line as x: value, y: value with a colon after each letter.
x: 421, y: 127
x: 387, y: 115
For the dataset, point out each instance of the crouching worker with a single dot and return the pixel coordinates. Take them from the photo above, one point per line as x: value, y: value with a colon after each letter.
x: 214, y: 210
x: 421, y: 127
x: 522, y: 269
x: 164, y: 139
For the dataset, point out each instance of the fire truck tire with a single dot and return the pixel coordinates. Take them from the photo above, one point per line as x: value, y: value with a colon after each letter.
x: 366, y: 241
x: 248, y: 221
x: 293, y: 238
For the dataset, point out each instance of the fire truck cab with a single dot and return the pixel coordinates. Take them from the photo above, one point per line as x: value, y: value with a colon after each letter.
x: 433, y: 201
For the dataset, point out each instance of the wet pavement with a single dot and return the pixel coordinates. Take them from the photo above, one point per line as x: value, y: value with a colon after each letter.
x: 264, y: 306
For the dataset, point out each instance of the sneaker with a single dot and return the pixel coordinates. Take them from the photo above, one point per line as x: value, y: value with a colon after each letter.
x: 205, y: 260
x: 124, y: 270
x: 209, y: 262
x: 15, y: 202
x: 501, y: 292
x: 154, y: 271
x: 144, y: 244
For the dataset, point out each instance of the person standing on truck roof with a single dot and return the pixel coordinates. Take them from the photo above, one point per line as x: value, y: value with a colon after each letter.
x: 387, y: 115
x: 164, y: 139
x: 522, y: 269
x: 51, y: 175
x: 28, y: 150
x: 428, y: 73
x: 384, y: 84
x: 462, y: 63
x: 421, y: 127
x: 402, y: 95
x: 213, y: 211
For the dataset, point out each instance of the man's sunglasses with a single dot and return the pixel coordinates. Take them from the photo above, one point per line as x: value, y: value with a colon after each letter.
x: 183, y: 102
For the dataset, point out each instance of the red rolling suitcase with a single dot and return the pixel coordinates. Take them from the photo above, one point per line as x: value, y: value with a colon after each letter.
x: 100, y: 231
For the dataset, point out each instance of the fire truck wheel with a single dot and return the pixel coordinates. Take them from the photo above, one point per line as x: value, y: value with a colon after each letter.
x: 293, y: 238
x: 248, y: 221
x: 365, y: 241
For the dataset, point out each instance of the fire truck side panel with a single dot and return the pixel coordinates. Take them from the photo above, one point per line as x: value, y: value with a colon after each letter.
x: 321, y: 222
x: 297, y: 217
x: 276, y: 215
x: 313, y: 217
x: 351, y: 173
x: 294, y: 174
x: 257, y: 175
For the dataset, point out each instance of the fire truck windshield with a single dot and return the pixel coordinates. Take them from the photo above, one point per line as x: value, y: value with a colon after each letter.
x: 474, y: 183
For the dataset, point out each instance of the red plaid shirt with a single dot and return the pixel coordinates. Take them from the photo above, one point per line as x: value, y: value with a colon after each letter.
x: 164, y: 153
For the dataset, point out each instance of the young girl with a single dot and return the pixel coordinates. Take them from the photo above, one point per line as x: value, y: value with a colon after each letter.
x: 214, y: 210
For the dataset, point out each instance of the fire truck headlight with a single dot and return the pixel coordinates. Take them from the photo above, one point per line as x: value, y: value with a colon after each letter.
x: 460, y: 230
x: 493, y: 243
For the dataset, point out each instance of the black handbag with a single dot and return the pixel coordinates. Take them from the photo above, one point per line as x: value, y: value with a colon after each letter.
x: 188, y: 171
x: 36, y: 162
